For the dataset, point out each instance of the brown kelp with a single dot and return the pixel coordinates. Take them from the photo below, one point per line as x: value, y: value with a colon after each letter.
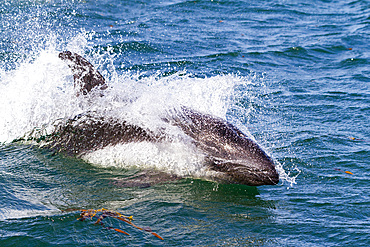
x: 101, y: 214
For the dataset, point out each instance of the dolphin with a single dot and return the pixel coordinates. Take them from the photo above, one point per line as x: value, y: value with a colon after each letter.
x: 230, y: 153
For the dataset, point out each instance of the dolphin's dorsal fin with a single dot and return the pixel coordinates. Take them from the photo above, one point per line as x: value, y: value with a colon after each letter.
x: 85, y: 76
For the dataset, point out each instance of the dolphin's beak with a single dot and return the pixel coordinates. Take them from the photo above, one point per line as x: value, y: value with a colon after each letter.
x: 240, y: 172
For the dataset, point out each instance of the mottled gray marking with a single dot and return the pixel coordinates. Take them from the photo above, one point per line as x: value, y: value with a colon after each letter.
x: 228, y: 150
x: 85, y: 76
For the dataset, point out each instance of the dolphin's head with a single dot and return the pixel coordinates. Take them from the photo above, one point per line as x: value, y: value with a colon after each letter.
x: 240, y: 160
x: 234, y: 156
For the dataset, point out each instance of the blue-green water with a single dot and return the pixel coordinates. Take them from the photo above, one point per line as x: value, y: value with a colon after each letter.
x: 294, y: 73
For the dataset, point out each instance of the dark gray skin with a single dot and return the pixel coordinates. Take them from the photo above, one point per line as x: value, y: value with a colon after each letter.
x: 228, y: 150
x: 85, y: 76
x: 235, y: 157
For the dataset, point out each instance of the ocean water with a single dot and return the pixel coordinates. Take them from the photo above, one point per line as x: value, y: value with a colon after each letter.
x: 293, y: 74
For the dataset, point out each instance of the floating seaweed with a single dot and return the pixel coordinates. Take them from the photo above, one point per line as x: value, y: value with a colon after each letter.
x: 348, y: 172
x: 101, y: 214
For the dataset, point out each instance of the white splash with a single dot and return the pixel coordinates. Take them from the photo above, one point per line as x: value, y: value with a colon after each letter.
x: 284, y: 176
x: 34, y: 95
x: 6, y: 214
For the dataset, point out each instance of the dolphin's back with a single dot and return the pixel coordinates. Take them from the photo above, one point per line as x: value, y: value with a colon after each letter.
x: 86, y: 133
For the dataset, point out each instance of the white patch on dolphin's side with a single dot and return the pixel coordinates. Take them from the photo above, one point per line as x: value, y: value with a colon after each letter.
x: 174, y: 158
